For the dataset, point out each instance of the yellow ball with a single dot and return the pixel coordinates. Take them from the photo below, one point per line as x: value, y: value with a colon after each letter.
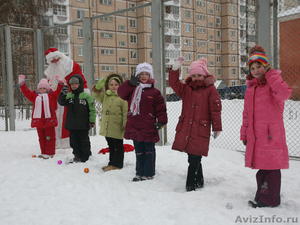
x: 86, y: 170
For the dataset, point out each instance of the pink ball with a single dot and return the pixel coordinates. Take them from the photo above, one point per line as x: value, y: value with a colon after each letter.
x: 59, y: 162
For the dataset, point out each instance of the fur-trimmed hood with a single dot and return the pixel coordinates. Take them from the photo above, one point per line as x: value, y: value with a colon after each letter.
x: 111, y: 76
x: 209, y: 79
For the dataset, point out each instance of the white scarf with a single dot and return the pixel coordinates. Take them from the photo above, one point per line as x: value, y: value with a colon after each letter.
x: 38, y: 106
x: 135, y: 103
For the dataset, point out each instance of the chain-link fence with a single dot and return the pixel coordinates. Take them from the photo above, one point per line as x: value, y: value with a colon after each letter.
x: 222, y: 32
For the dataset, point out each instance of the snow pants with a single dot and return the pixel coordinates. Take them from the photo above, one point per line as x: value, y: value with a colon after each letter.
x: 268, y: 187
x: 116, y: 152
x: 194, y: 178
x: 145, y: 158
x: 80, y: 142
x: 47, y: 140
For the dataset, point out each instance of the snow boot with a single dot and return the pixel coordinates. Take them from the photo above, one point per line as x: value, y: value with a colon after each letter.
x: 257, y: 204
x: 199, y: 182
x: 138, y: 178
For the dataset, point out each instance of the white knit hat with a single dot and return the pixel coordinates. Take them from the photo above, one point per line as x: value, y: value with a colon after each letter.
x: 144, y: 67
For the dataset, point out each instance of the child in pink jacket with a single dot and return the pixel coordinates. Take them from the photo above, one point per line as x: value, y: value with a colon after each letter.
x: 263, y: 130
x: 43, y: 113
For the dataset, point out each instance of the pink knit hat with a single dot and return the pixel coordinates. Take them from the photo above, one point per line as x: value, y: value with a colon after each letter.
x: 199, y: 67
x: 44, y: 84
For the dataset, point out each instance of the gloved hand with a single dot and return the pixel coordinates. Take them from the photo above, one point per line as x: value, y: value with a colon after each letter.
x: 178, y: 63
x: 244, y: 142
x: 158, y: 126
x: 268, y: 67
x: 92, y: 125
x: 100, y: 84
x: 21, y: 80
x: 65, y: 90
x: 216, y: 134
x: 59, y: 79
x: 133, y: 80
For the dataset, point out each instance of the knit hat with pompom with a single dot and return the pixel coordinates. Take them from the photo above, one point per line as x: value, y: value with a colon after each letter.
x: 144, y: 67
x: 257, y: 54
x: 44, y: 84
x: 199, y: 67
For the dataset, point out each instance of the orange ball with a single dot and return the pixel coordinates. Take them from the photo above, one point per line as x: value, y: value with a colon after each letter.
x: 86, y: 170
x: 33, y: 156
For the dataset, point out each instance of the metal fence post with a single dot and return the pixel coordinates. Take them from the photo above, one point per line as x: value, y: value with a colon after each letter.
x: 10, y: 85
x: 264, y: 25
x: 39, y: 55
x: 158, y: 51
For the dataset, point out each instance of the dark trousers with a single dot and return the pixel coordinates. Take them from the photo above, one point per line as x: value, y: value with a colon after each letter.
x: 268, y: 187
x: 195, y: 175
x: 145, y: 158
x: 116, y: 152
x: 80, y: 142
x: 47, y: 140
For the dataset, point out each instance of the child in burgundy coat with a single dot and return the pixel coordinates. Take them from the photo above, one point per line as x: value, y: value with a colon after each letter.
x: 43, y: 113
x: 146, y: 115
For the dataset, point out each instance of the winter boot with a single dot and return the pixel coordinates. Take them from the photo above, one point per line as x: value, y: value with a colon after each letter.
x: 44, y: 156
x: 111, y: 168
x: 104, y: 167
x: 138, y: 178
x: 191, y: 179
x: 76, y: 158
x: 257, y: 204
x: 199, y: 177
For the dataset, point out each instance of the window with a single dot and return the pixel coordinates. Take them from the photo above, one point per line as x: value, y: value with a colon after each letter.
x: 63, y: 47
x: 187, y: 14
x: 172, y: 24
x: 188, y: 28
x: 62, y: 30
x: 170, y: 9
x: 122, y: 43
x: 232, y: 8
x: 188, y: 42
x: 122, y: 60
x: 121, y: 27
x: 201, y: 43
x: 218, y: 59
x: 188, y: 56
x: 133, y: 39
x: 79, y: 0
x: 200, y: 3
x: 107, y: 68
x: 211, y: 37
x: 150, y: 54
x: 172, y: 39
x: 107, y: 35
x: 131, y: 5
x: 132, y: 70
x: 211, y: 24
x: 211, y: 63
x: 123, y: 75
x: 187, y: 1
x: 200, y: 30
x: 232, y: 20
x: 79, y: 33
x: 218, y: 46
x: 233, y: 46
x: 59, y: 10
x: 251, y: 26
x: 233, y: 33
x: 218, y: 8
x: 172, y: 54
x: 150, y: 23
x: 106, y: 19
x: 211, y: 50
x: 200, y: 17
x: 132, y: 23
x: 80, y: 14
x: 219, y: 72
x: 107, y: 52
x: 233, y: 83
x: 80, y: 50
x: 218, y: 21
x: 105, y: 2
x: 133, y: 54
x: 210, y: 11
x: 233, y: 72
x: 233, y: 59
x: 199, y: 56
x: 219, y: 33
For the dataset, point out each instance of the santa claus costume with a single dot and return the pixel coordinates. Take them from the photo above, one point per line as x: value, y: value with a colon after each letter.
x: 64, y: 67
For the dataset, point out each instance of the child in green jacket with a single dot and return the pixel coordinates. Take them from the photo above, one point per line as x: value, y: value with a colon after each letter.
x: 113, y: 118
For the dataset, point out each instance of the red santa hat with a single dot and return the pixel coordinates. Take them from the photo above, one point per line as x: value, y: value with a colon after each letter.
x: 53, y: 52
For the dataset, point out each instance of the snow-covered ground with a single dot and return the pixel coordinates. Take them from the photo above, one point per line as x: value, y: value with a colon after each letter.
x: 41, y: 192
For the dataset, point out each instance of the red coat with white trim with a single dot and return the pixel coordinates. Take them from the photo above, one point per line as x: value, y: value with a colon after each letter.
x: 52, y: 95
x: 201, y: 107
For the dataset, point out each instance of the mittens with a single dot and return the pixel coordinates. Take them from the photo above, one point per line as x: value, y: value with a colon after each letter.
x: 178, y: 63
x: 60, y: 81
x: 21, y: 80
x: 216, y: 134
x: 100, y: 83
x: 65, y: 90
x: 133, y: 80
x: 158, y: 126
x: 268, y: 67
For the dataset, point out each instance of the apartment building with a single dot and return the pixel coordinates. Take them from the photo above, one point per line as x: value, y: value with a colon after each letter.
x: 220, y: 30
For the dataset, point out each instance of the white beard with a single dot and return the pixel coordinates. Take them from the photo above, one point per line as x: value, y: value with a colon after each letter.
x: 55, y: 69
